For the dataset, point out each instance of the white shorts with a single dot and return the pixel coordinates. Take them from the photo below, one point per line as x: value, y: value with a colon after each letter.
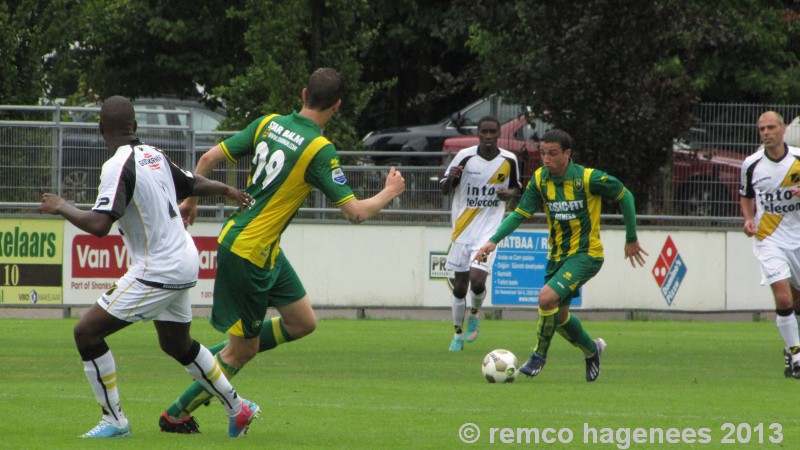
x: 777, y: 263
x: 461, y: 258
x: 132, y: 301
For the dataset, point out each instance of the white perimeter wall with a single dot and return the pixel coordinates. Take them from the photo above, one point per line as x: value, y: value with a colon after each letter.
x: 397, y: 266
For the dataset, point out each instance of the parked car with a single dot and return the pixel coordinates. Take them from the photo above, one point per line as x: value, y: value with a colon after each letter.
x: 704, y: 182
x: 160, y: 124
x: 429, y: 138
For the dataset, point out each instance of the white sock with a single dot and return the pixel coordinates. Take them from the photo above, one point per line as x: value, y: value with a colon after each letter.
x: 787, y: 326
x: 459, y: 310
x: 207, y: 372
x: 102, y: 375
x: 477, y: 299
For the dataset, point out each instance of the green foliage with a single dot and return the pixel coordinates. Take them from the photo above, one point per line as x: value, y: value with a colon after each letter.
x: 289, y: 43
x: 609, y: 73
x: 620, y: 76
x: 417, y: 50
x: 393, y: 384
x: 32, y: 34
x: 142, y: 48
x: 742, y: 56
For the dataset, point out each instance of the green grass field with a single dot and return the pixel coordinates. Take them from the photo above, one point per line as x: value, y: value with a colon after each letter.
x: 393, y: 384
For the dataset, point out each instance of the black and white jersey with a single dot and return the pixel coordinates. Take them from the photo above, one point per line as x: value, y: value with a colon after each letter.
x: 477, y: 211
x: 769, y: 183
x: 140, y: 188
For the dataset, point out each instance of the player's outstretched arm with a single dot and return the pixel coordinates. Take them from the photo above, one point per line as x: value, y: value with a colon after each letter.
x: 203, y: 186
x: 98, y: 224
x: 358, y: 211
x: 205, y: 165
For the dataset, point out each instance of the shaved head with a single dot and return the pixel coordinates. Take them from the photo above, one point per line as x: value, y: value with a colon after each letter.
x: 771, y: 115
x: 117, y: 116
x: 771, y: 129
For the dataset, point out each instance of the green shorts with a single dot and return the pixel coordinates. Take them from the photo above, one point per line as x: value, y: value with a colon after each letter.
x: 567, y: 275
x: 244, y: 291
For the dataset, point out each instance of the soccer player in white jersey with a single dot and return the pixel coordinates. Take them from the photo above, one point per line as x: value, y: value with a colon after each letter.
x: 139, y: 189
x: 482, y: 179
x: 771, y: 209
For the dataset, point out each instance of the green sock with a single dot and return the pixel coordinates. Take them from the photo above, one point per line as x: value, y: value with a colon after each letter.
x: 575, y: 334
x: 272, y: 335
x: 217, y: 348
x: 545, y: 330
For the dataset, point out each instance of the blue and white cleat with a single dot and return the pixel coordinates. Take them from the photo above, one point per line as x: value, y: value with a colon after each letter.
x: 108, y: 430
x: 473, y: 327
x: 534, y: 365
x: 593, y: 362
x: 240, y: 423
x: 457, y: 344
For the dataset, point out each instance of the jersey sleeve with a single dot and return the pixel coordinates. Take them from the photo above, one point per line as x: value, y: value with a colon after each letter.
x: 325, y: 173
x: 513, y: 182
x: 117, y: 182
x: 746, y: 188
x: 243, y: 142
x: 605, y: 185
x: 457, y: 160
x: 183, y: 180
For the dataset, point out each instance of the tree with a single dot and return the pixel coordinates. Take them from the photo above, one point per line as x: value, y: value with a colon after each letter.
x: 623, y: 76
x: 285, y: 52
x: 608, y: 72
x: 147, y: 48
x: 417, y: 50
x: 32, y: 33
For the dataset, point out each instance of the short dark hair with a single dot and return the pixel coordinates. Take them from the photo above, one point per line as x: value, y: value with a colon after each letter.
x: 325, y: 88
x: 489, y: 119
x: 117, y: 114
x: 559, y: 137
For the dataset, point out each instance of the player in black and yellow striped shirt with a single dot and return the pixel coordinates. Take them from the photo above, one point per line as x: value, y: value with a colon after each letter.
x: 571, y: 197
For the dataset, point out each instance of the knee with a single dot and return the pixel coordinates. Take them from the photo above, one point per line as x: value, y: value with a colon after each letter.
x: 783, y: 302
x: 177, y: 350
x: 478, y: 286
x: 549, y: 300
x: 84, y: 336
x: 238, y: 355
x: 303, y: 328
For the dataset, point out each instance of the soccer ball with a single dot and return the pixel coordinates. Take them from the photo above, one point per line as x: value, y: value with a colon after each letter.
x: 500, y: 366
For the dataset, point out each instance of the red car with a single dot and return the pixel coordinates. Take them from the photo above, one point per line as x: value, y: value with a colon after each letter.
x: 704, y: 182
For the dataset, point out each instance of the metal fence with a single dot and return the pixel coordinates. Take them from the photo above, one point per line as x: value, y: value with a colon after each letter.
x: 43, y: 150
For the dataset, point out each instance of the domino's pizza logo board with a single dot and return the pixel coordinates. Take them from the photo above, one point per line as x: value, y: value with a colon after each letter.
x: 669, y: 271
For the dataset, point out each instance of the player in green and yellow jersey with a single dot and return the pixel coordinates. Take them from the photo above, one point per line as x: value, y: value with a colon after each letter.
x: 289, y: 156
x: 571, y: 196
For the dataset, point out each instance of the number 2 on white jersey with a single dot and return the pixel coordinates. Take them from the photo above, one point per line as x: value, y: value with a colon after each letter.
x: 272, y: 167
